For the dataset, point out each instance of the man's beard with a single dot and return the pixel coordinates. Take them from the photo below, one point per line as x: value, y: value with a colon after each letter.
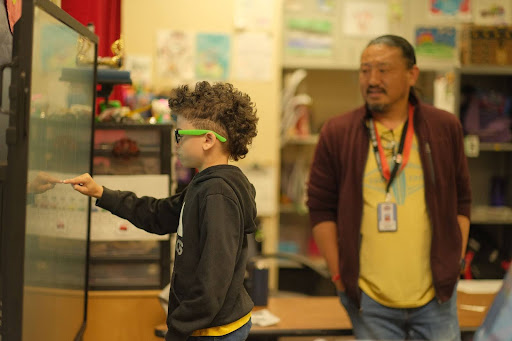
x: 377, y: 107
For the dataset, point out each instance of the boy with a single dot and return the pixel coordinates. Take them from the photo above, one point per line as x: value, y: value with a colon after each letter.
x: 211, y: 217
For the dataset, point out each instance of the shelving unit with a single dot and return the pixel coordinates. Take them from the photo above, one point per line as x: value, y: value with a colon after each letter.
x: 332, y: 83
x: 490, y: 171
x: 118, y: 261
x: 335, y: 90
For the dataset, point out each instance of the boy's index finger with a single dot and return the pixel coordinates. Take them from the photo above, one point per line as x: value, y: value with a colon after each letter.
x: 74, y: 181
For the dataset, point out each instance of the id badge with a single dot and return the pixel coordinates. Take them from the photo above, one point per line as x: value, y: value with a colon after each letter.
x: 386, y: 217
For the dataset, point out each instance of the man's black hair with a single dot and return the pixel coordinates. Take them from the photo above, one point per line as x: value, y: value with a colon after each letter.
x: 401, y: 43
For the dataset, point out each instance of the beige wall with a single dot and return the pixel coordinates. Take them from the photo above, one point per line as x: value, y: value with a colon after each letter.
x: 140, y: 22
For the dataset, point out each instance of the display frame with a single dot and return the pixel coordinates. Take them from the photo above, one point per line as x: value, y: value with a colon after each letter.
x: 13, y: 195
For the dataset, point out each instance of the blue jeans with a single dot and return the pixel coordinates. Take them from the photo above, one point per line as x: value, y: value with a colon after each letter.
x: 238, y: 335
x: 433, y: 321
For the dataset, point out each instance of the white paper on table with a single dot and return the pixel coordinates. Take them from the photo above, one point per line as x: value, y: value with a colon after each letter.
x: 479, y: 286
x: 253, y: 56
x: 264, y: 318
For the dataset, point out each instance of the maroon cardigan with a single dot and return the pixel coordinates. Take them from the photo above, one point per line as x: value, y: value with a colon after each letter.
x: 335, y: 189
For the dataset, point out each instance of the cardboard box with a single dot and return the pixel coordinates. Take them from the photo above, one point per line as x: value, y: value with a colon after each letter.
x: 489, y: 45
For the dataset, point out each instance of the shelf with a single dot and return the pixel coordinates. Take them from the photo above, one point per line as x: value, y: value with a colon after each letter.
x: 490, y: 215
x: 292, y: 209
x: 308, y: 140
x: 328, y: 64
x: 142, y: 153
x: 124, y: 259
x: 316, y: 64
x: 135, y: 125
x: 318, y: 262
x: 495, y: 147
x: 487, y: 70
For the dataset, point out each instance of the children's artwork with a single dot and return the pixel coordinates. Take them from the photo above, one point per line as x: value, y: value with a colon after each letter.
x: 436, y: 42
x: 212, y: 56
x: 309, y: 37
x: 326, y: 6
x: 253, y: 54
x: 141, y: 68
x: 250, y: 14
x: 362, y: 18
x: 175, y: 55
x: 450, y: 8
x: 491, y: 12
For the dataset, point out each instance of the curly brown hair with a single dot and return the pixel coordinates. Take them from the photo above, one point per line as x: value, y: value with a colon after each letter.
x: 219, y: 107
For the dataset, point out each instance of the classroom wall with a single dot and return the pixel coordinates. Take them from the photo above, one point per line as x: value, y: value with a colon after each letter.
x: 140, y: 22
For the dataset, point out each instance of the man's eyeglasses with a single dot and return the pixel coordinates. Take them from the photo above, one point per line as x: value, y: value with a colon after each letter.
x: 179, y: 133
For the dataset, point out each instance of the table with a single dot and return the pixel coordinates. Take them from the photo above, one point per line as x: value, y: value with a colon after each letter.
x: 323, y: 316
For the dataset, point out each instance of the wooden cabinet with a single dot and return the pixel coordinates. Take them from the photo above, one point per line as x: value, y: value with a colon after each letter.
x: 123, y: 315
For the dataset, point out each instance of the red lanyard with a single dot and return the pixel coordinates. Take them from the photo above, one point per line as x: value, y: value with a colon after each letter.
x: 404, y: 150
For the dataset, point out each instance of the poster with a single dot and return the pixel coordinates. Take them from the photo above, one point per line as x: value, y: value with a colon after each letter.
x: 460, y: 9
x: 106, y: 226
x: 175, y: 55
x: 254, y: 14
x: 141, y: 69
x: 212, y: 56
x: 309, y: 37
x: 252, y: 59
x: 491, y: 12
x: 365, y: 19
x: 436, y: 42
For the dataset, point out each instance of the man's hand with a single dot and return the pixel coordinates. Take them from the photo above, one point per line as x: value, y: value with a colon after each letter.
x: 86, y: 185
x: 339, y: 286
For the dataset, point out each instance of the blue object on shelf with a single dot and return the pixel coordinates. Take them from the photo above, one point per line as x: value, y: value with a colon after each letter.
x: 112, y: 76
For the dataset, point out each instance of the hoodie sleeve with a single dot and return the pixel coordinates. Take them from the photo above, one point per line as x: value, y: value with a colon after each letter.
x: 158, y: 216
x: 221, y: 233
x: 322, y: 192
x: 462, y: 172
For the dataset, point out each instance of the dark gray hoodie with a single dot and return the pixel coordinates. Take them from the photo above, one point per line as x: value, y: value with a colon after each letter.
x: 212, y: 218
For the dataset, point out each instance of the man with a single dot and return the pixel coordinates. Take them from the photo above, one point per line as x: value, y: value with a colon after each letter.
x: 389, y: 200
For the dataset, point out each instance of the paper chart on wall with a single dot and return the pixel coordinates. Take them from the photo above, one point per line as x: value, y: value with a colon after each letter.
x: 365, y: 18
x: 252, y: 59
x: 57, y: 212
x: 105, y: 226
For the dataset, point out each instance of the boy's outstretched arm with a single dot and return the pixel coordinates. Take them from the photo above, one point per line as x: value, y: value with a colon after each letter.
x: 86, y: 185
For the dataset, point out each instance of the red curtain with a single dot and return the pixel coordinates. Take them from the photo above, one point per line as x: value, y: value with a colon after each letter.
x: 106, y: 17
x: 104, y: 14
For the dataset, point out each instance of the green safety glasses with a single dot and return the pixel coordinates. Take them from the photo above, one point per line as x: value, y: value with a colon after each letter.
x: 179, y: 133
